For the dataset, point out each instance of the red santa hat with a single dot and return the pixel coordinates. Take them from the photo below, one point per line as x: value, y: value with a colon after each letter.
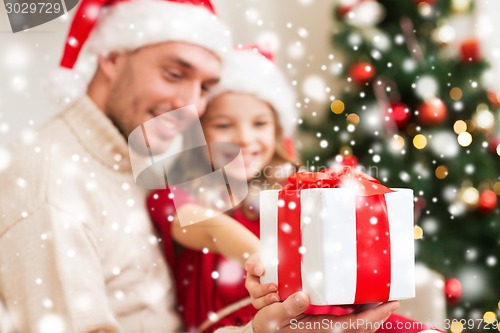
x: 105, y: 26
x: 250, y: 69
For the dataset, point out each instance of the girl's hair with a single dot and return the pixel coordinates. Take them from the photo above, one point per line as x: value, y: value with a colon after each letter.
x: 272, y: 176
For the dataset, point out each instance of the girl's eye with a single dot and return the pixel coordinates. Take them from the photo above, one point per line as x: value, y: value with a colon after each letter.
x: 261, y: 123
x: 222, y: 126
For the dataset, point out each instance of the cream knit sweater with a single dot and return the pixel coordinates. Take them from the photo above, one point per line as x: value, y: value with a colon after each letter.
x: 77, y: 250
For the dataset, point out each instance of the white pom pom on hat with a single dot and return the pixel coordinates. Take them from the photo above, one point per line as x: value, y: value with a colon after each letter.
x: 250, y: 69
x: 125, y: 25
x: 64, y: 86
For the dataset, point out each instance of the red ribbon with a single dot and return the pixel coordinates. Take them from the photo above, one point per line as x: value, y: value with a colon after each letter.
x: 289, y: 242
x: 373, y: 253
x: 339, y: 177
x: 373, y: 250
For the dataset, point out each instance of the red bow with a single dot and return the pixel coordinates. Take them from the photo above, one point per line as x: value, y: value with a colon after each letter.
x: 344, y: 177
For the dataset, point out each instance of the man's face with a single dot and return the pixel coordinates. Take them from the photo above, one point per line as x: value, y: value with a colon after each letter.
x: 156, y: 79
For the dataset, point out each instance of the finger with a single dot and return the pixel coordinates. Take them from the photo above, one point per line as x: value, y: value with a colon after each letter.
x: 266, y: 300
x: 373, y: 318
x: 256, y: 289
x: 290, y: 308
x: 254, y: 266
x: 252, y: 283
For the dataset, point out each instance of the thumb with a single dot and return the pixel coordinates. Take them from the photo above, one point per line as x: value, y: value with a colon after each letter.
x: 294, y: 305
x: 277, y: 316
x: 378, y: 314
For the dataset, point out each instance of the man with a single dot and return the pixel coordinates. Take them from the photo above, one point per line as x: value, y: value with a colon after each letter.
x: 77, y: 250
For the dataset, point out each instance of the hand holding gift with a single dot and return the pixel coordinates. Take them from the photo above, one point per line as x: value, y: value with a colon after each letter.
x: 287, y: 316
x: 340, y: 236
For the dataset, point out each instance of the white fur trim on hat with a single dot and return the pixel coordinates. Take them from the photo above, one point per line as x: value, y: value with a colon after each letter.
x: 250, y: 72
x: 132, y: 24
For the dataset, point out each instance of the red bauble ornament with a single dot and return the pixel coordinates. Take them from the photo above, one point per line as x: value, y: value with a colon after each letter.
x: 493, y: 144
x: 487, y: 202
x: 419, y: 206
x: 343, y: 10
x: 469, y: 51
x: 453, y: 291
x: 429, y: 2
x: 346, y: 6
x: 400, y: 114
x: 494, y: 98
x: 350, y: 160
x: 362, y: 72
x: 432, y: 113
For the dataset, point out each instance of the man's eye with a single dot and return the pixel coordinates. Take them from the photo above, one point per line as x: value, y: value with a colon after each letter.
x: 173, y: 74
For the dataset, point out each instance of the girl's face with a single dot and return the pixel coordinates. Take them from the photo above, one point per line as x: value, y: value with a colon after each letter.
x: 246, y: 121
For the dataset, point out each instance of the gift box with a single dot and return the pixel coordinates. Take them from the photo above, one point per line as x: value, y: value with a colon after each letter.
x: 340, y: 236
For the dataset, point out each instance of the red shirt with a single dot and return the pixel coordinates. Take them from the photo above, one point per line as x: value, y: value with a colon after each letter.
x: 206, y: 282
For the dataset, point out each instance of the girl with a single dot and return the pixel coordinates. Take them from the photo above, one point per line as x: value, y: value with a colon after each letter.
x: 253, y: 108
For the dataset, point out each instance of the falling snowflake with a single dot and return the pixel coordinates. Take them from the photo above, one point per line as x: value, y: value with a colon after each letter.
x: 270, y: 40
x: 314, y: 88
x: 18, y: 83
x: 427, y: 87
x: 51, y: 323
x: 444, y: 144
x: 16, y: 57
x: 229, y: 273
x: 295, y: 50
x: 474, y: 283
x: 252, y: 15
x: 305, y: 2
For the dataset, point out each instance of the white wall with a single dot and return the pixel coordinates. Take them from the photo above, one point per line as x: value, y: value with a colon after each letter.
x: 300, y: 31
x: 25, y: 59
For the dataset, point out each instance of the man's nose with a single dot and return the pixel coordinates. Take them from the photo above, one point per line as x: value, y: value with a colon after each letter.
x: 186, y: 95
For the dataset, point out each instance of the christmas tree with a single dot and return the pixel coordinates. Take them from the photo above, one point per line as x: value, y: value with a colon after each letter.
x: 414, y: 111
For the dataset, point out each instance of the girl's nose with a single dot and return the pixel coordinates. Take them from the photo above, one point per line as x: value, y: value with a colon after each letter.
x: 244, y: 135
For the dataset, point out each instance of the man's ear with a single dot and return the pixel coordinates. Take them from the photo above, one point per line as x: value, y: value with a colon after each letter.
x: 110, y: 65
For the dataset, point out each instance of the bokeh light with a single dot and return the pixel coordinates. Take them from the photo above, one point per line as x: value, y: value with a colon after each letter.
x: 420, y: 141
x: 337, y: 106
